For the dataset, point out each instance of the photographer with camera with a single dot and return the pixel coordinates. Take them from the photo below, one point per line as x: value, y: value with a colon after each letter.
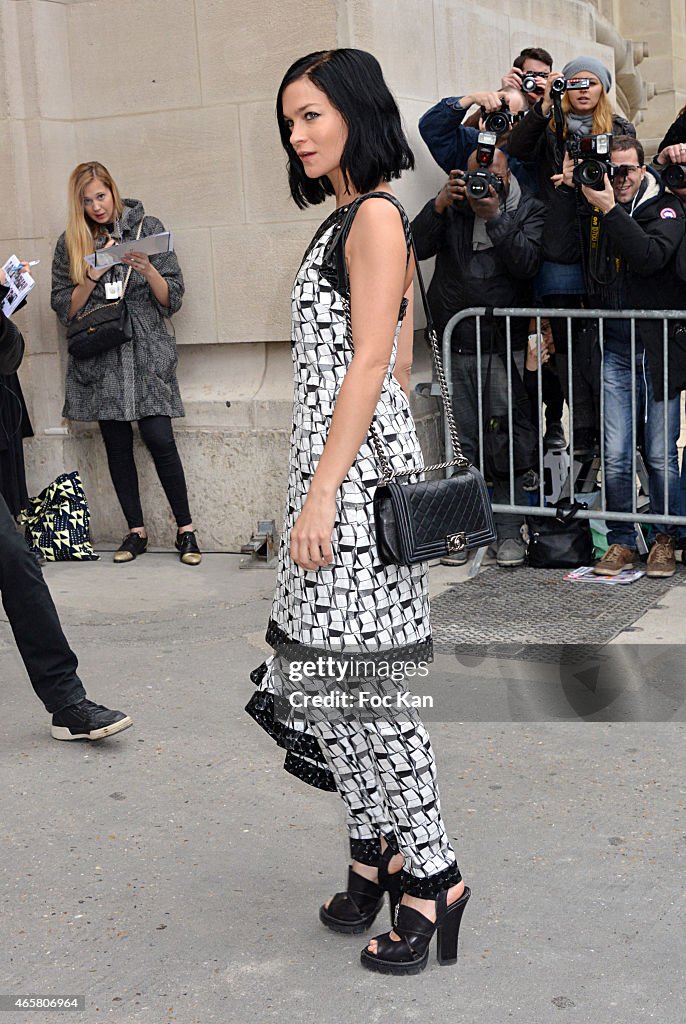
x: 628, y: 231
x: 574, y: 107
x: 670, y: 163
x: 451, y: 137
x: 486, y: 234
x: 32, y: 616
x: 672, y: 149
x: 450, y: 132
x: 574, y: 104
x: 529, y: 73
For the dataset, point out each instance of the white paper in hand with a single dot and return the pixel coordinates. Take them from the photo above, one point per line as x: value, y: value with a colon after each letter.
x: 151, y: 245
x: 19, y: 283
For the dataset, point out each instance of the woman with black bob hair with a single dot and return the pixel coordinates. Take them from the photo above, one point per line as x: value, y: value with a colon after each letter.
x: 352, y: 354
x: 375, y: 149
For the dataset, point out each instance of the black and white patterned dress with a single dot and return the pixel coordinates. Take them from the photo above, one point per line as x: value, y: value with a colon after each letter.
x: 357, y: 601
x: 382, y: 767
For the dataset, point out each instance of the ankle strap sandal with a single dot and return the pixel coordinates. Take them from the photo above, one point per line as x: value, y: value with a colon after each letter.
x: 410, y: 954
x: 355, y: 910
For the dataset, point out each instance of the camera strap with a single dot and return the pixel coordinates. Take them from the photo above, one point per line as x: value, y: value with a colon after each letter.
x: 594, y: 250
x: 559, y: 131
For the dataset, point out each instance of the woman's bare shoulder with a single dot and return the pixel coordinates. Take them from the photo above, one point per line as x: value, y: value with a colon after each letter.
x: 379, y: 220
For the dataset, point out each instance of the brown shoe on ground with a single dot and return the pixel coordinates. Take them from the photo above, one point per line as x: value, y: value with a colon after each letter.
x: 661, y: 560
x: 616, y: 558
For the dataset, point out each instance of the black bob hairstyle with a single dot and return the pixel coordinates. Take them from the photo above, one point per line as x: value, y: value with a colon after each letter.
x: 376, y: 148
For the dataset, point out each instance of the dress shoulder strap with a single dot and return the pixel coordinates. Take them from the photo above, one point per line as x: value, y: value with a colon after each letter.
x: 333, y: 261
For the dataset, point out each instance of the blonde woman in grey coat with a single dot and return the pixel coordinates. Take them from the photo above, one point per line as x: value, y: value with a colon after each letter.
x: 137, y: 380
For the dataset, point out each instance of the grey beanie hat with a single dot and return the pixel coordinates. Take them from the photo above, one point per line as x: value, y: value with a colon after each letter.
x: 592, y: 64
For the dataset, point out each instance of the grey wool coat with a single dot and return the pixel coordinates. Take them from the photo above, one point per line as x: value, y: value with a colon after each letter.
x: 139, y: 378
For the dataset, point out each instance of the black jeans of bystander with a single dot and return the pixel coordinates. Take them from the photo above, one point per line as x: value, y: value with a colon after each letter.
x: 158, y: 436
x: 49, y: 661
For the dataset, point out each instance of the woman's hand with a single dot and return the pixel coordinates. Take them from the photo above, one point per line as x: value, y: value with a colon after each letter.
x: 139, y: 262
x: 675, y: 154
x: 547, y: 99
x: 566, y: 177
x: 311, y: 533
x: 92, y: 273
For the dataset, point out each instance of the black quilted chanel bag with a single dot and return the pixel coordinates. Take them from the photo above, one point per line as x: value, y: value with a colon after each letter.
x: 101, y: 328
x: 429, y: 518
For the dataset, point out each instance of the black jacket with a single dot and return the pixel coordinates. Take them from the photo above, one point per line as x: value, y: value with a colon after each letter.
x: 500, y: 276
x: 531, y: 139
x: 633, y: 266
x: 11, y: 342
x: 676, y: 132
x: 14, y: 418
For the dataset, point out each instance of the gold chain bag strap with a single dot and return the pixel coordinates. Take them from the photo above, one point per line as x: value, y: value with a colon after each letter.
x: 103, y: 327
x: 424, y: 519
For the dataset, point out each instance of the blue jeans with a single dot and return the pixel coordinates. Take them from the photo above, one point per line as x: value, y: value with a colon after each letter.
x: 619, y: 483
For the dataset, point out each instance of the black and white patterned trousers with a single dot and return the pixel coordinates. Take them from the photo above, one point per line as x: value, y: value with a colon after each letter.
x: 386, y: 774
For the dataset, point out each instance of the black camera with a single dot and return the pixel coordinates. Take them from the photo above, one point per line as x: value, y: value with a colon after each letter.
x: 477, y: 184
x: 500, y: 121
x: 559, y: 86
x: 530, y: 83
x: 674, y: 176
x: 485, y: 148
x: 591, y: 154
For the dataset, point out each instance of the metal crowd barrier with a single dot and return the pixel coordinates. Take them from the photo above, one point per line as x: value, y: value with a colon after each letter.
x: 538, y: 314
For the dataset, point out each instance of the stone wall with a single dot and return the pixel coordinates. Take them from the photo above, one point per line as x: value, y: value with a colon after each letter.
x: 176, y: 97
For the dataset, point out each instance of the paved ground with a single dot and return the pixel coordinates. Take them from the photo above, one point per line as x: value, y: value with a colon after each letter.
x: 174, y: 873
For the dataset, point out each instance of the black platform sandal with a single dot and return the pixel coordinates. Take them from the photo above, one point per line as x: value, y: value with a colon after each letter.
x: 410, y: 954
x: 356, y: 909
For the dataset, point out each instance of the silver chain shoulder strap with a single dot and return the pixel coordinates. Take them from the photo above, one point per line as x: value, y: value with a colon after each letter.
x: 459, y: 460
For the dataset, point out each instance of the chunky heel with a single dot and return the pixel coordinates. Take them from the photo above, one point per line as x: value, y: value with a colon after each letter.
x: 410, y: 953
x: 447, y: 933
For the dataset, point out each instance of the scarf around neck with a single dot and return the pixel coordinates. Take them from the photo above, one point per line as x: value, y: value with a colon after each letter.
x: 579, y: 124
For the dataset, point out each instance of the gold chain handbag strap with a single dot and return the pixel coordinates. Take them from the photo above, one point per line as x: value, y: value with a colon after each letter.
x: 105, y: 305
x: 459, y: 460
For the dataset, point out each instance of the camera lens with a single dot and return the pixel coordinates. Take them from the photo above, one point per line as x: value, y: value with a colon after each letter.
x: 590, y: 173
x: 558, y: 86
x: 497, y: 123
x: 674, y: 176
x: 529, y: 83
x: 477, y: 188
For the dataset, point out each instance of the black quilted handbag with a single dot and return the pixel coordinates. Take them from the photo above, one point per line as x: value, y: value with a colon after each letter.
x: 428, y: 518
x: 104, y: 327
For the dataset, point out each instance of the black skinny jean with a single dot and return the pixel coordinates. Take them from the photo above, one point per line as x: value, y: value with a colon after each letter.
x: 158, y: 436
x: 49, y: 661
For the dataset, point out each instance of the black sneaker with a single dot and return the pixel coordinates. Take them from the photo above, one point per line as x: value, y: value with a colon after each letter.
x: 131, y: 546
x: 554, y: 438
x: 187, y: 546
x: 88, y: 721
